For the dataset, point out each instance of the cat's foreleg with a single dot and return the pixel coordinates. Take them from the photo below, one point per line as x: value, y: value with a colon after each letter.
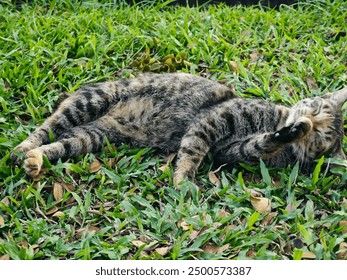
x: 188, y: 162
x: 192, y: 151
x: 294, y: 132
x: 264, y: 146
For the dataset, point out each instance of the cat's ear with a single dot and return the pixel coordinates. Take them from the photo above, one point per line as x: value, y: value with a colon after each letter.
x: 339, y: 97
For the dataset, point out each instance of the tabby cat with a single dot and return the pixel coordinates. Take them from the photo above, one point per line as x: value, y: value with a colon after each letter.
x: 191, y: 115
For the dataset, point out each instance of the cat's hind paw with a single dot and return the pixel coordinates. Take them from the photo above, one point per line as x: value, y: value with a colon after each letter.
x: 20, y: 150
x: 33, y: 162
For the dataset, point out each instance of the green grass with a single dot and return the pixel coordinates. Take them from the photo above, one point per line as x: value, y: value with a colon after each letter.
x: 124, y: 205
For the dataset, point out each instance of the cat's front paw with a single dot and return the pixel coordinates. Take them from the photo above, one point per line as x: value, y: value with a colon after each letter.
x: 301, y: 128
x: 33, y: 162
x: 294, y: 132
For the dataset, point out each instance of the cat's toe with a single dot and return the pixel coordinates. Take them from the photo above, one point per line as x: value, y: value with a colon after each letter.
x: 33, y: 162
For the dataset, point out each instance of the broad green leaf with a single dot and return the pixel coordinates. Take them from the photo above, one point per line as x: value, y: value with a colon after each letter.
x: 317, y: 171
x: 265, y: 174
x: 253, y: 219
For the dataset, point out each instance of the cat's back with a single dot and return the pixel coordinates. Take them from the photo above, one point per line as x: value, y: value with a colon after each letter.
x: 173, y: 85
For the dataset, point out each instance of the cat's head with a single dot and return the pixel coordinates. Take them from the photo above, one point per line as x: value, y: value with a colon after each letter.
x: 327, y: 132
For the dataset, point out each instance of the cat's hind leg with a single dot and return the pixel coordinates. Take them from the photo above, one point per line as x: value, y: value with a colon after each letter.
x: 74, y: 142
x: 84, y: 106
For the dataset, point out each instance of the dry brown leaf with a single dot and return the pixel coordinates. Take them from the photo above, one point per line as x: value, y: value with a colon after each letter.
x: 223, y: 248
x: 210, y: 248
x: 58, y: 214
x: 93, y: 228
x: 58, y: 191
x: 235, y: 66
x: 342, y: 254
x: 308, y: 255
x: 5, y: 201
x: 261, y: 204
x: 52, y: 210
x: 163, y: 250
x: 145, y: 239
x: 92, y: 211
x: 80, y: 231
x: 68, y: 187
x: 214, y: 249
x: 231, y: 227
x: 194, y: 234
x: 143, y: 254
x: 222, y: 213
x: 151, y: 247
x: 2, y: 221
x: 255, y: 193
x: 214, y: 179
x: 254, y: 57
x: 108, y: 205
x: 279, y: 227
x: 70, y: 200
x: 290, y: 208
x: 251, y: 254
x: 182, y: 224
x: 111, y: 162
x: 268, y: 219
x: 4, y: 257
x: 147, y: 247
x: 24, y: 244
x: 343, y: 224
x: 198, y: 216
x: 137, y: 243
x: 94, y: 166
x: 233, y: 254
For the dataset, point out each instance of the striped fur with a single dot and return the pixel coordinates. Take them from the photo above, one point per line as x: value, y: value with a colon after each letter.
x: 191, y: 115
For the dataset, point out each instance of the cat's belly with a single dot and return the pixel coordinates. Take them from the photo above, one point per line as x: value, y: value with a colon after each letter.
x: 148, y: 124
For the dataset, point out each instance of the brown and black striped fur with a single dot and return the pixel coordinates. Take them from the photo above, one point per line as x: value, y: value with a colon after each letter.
x: 193, y: 116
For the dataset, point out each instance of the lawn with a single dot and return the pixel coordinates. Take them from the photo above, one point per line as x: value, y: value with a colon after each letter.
x: 121, y: 203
